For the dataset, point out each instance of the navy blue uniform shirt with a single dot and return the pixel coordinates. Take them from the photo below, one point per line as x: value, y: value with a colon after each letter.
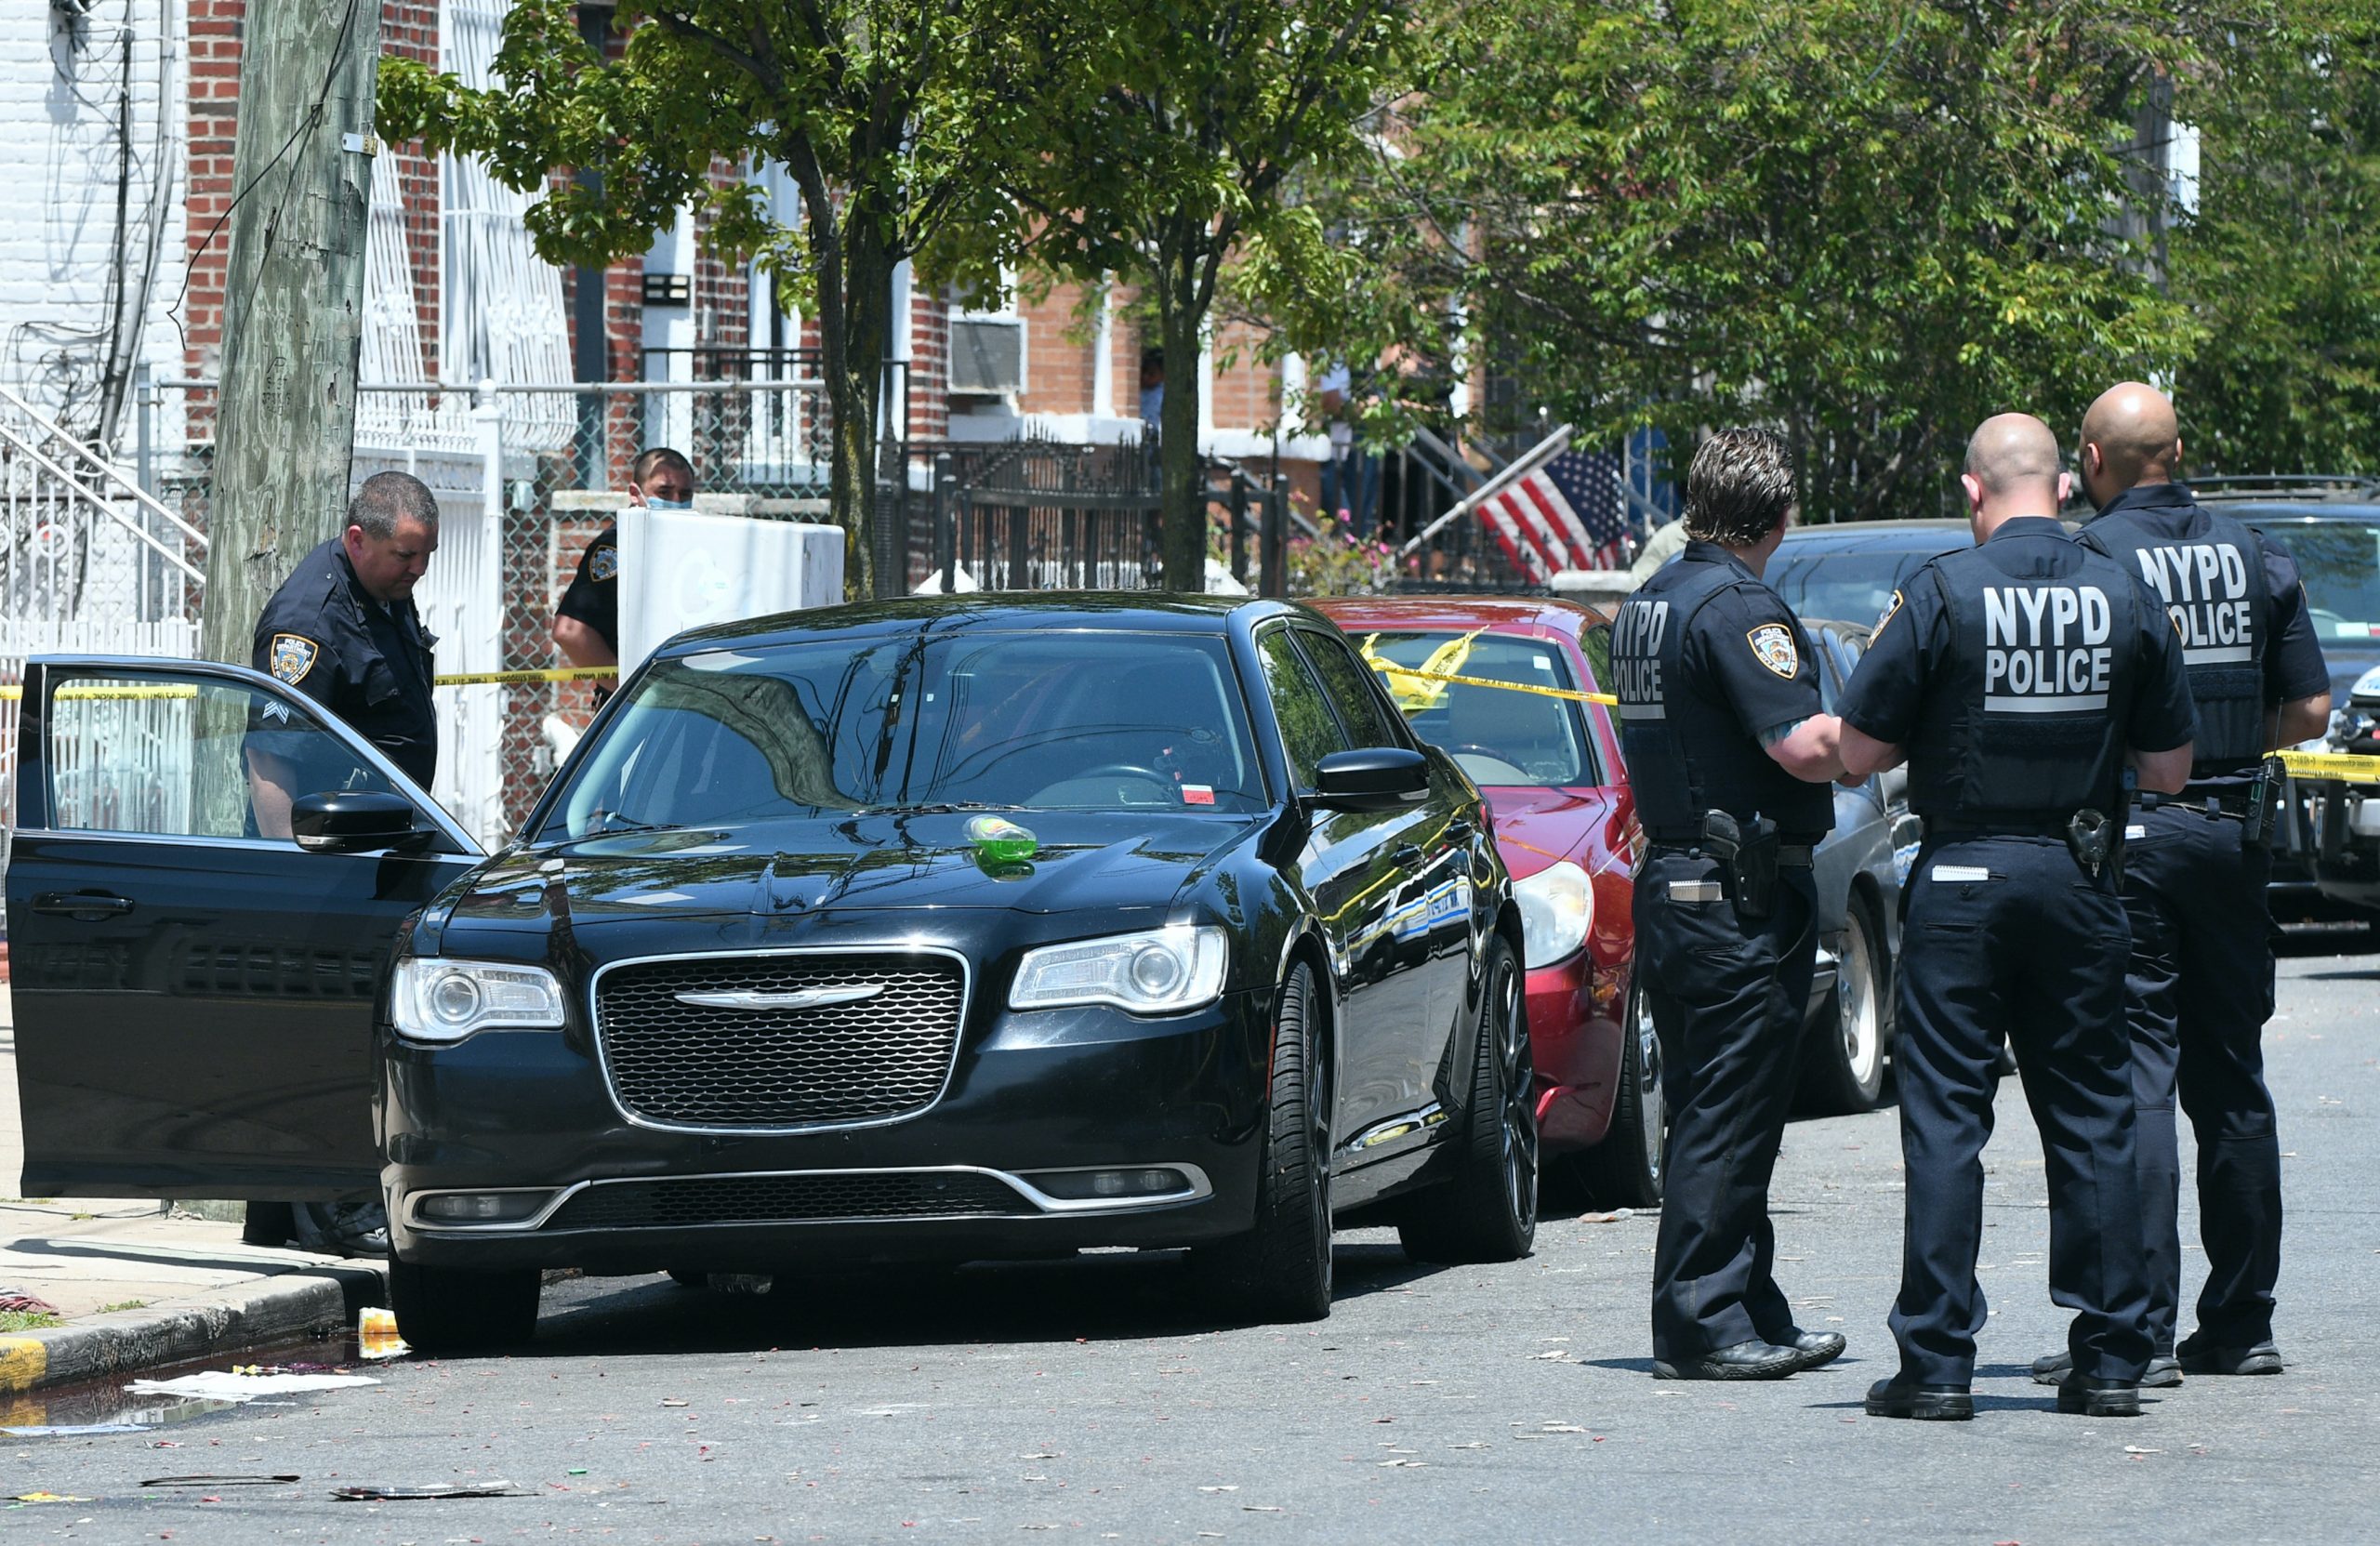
x: 1910, y: 657
x: 2294, y: 666
x: 324, y: 635
x: 594, y: 594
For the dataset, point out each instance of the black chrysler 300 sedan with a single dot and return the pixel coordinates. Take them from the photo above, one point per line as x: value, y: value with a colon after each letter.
x: 942, y: 928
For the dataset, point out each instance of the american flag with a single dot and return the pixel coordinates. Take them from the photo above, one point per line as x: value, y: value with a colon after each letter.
x: 1567, y: 512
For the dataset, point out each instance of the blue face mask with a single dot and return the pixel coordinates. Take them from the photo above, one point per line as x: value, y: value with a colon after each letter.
x: 669, y: 504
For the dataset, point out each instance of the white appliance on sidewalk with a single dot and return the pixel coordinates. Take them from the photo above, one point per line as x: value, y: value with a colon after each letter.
x: 681, y: 569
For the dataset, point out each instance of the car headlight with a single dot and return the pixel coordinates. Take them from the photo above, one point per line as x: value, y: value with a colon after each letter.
x: 1557, y: 908
x: 439, y: 1001
x: 1155, y: 971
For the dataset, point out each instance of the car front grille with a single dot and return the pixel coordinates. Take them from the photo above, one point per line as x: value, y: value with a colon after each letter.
x: 675, y: 1204
x: 883, y: 1056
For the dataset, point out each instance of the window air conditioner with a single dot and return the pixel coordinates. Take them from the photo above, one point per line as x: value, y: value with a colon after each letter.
x: 987, y: 355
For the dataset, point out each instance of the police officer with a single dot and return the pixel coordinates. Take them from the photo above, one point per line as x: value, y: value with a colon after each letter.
x: 2200, y: 983
x: 2017, y: 676
x: 587, y: 620
x: 1729, y: 756
x: 343, y: 631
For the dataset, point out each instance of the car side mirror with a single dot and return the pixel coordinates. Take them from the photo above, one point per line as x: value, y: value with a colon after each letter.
x: 350, y: 822
x: 1371, y: 778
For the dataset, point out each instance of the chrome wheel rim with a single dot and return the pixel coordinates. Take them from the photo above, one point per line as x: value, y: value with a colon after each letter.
x: 1652, y: 1129
x: 1857, y: 1009
x: 1518, y: 1118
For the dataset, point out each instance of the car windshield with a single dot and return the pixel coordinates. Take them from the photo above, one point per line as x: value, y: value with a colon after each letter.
x: 2340, y: 561
x: 1500, y: 736
x: 1848, y: 587
x: 1053, y: 720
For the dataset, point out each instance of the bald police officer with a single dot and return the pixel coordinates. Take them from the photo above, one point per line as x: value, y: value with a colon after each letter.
x: 2201, y: 984
x: 2018, y: 676
x: 1731, y: 757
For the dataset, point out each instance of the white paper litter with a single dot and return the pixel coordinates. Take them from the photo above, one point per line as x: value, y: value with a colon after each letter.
x: 223, y: 1385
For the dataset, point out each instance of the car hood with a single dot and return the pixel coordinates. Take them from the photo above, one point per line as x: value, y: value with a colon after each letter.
x: 1539, y: 827
x: 1086, y: 862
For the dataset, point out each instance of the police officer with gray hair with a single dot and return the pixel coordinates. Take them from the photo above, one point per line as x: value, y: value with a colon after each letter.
x: 1730, y: 755
x: 2018, y: 677
x: 2201, y: 984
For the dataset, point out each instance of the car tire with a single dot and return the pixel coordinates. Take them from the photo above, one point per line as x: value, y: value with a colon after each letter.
x: 444, y: 1310
x: 1487, y: 1211
x: 1280, y: 1270
x: 1624, y: 1170
x: 1843, y: 1060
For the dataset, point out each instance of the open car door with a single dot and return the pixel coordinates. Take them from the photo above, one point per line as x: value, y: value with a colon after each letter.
x: 193, y: 989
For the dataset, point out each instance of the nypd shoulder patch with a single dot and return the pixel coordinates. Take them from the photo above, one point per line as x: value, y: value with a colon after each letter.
x: 603, y: 561
x: 291, y: 656
x: 1773, y: 646
x: 1891, y: 607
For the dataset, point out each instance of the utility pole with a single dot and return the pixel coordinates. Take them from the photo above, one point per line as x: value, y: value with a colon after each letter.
x: 293, y: 305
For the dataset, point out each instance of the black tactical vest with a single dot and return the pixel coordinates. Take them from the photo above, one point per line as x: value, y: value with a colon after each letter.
x: 2213, y: 584
x: 1686, y: 749
x: 2028, y: 727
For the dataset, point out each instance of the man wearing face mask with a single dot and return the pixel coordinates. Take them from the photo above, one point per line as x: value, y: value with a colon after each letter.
x: 587, y: 621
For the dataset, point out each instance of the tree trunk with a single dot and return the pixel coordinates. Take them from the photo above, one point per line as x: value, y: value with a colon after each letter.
x: 855, y: 283
x: 1181, y: 495
x: 293, y: 316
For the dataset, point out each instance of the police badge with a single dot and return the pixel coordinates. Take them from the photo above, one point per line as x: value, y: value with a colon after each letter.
x: 1772, y: 645
x: 603, y: 562
x: 291, y: 657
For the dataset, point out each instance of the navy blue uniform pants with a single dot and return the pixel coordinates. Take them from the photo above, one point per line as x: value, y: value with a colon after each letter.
x: 2009, y: 938
x: 2199, y: 992
x: 1728, y: 997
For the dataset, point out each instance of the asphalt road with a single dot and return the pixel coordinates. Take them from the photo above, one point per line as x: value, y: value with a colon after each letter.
x: 1513, y: 1402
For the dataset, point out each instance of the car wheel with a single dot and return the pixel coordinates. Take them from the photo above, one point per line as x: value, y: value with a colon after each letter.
x: 1280, y: 1270
x: 1624, y: 1170
x: 1843, y: 1064
x: 454, y: 1310
x: 1488, y: 1212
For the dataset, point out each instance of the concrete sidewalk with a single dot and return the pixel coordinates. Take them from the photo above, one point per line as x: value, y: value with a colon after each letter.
x: 138, y: 1283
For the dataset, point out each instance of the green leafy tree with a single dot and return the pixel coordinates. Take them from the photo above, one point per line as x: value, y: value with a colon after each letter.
x: 1869, y: 223
x: 2282, y: 263
x: 891, y: 115
x: 1177, y: 145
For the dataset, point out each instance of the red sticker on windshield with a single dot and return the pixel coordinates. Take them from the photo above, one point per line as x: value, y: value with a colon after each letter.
x: 1197, y: 794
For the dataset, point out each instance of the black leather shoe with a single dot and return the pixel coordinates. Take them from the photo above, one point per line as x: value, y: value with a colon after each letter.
x: 2163, y: 1372
x: 2100, y: 1397
x: 2202, y: 1357
x: 1815, y: 1349
x: 1899, y: 1397
x: 1751, y: 1360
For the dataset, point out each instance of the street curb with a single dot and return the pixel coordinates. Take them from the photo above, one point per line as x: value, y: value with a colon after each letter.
x: 318, y: 1301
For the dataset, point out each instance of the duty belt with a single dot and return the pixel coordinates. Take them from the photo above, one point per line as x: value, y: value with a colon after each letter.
x: 1789, y: 855
x: 2213, y: 802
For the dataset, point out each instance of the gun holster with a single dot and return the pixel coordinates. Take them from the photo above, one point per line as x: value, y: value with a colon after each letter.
x: 1750, y: 853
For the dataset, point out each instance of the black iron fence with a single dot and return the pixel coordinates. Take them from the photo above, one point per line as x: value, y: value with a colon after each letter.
x: 1031, y: 515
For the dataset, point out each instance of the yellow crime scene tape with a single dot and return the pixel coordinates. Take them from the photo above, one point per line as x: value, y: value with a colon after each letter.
x: 2336, y: 767
x: 1567, y: 694
x: 460, y: 679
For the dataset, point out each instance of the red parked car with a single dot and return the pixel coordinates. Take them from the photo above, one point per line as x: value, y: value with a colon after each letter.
x: 1565, y: 824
